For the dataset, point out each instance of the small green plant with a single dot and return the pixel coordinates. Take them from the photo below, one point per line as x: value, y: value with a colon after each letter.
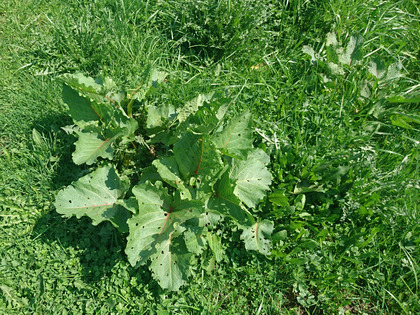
x: 167, y: 179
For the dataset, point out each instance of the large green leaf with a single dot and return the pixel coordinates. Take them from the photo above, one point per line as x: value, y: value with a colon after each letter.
x: 251, y: 177
x: 96, y: 196
x: 86, y: 99
x: 93, y: 143
x: 159, y: 216
x: 90, y: 146
x: 80, y: 108
x: 224, y: 201
x: 257, y: 237
x: 236, y: 139
x: 171, y: 263
x: 197, y: 156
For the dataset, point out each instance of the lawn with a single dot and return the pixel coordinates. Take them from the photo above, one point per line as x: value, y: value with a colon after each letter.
x: 333, y: 90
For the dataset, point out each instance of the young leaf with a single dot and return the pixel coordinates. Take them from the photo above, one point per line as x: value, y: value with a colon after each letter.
x: 158, y: 116
x: 235, y: 139
x: 93, y: 144
x: 192, y: 106
x: 159, y: 216
x: 95, y: 195
x: 353, y: 51
x: 251, y: 177
x: 167, y: 168
x: 257, y: 237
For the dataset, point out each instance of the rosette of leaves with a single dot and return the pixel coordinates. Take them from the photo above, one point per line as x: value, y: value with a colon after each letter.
x: 209, y: 172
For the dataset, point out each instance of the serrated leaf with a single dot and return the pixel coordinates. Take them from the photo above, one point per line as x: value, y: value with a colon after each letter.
x: 90, y: 146
x: 257, y: 237
x: 159, y: 216
x: 236, y: 138
x: 224, y: 202
x: 95, y: 195
x: 170, y: 264
x: 252, y: 178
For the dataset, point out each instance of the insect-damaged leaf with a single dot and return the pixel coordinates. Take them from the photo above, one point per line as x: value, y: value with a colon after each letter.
x: 251, y: 177
x: 95, y: 195
x: 194, y: 239
x: 257, y: 237
x: 171, y: 263
x: 159, y: 216
x: 235, y: 139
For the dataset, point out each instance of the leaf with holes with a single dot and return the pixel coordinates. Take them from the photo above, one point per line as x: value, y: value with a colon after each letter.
x: 251, y: 177
x: 159, y: 216
x: 96, y: 196
x: 236, y: 139
x: 225, y: 203
x: 171, y: 263
x: 257, y: 237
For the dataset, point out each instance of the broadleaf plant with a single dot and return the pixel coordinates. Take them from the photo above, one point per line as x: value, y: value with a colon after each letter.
x: 166, y: 176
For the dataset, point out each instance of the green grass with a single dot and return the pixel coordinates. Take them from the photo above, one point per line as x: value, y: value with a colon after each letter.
x: 345, y: 168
